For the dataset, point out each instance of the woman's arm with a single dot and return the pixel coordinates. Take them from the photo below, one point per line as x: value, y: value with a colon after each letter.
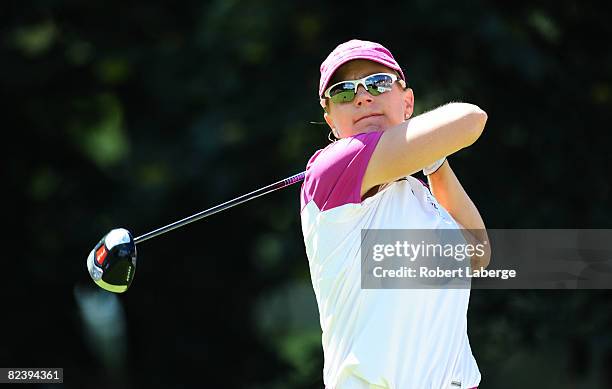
x: 408, y: 147
x: 450, y: 194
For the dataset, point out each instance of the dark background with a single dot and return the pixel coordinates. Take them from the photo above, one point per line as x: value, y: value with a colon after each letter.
x: 137, y: 115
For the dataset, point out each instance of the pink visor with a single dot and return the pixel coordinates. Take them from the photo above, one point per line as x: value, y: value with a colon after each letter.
x: 355, y: 49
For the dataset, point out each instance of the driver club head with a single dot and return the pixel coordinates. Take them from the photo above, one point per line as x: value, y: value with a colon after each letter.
x: 112, y: 262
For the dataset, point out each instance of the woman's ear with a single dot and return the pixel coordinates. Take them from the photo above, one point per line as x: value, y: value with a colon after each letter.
x: 408, y: 103
x: 329, y: 121
x: 331, y: 125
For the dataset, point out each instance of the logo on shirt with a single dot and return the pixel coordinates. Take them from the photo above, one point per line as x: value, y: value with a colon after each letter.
x: 432, y: 202
x: 456, y: 384
x: 430, y: 198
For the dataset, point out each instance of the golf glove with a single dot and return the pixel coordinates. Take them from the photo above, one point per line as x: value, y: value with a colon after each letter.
x: 427, y: 170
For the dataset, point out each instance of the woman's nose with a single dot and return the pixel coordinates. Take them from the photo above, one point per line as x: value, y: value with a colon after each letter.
x: 362, y: 95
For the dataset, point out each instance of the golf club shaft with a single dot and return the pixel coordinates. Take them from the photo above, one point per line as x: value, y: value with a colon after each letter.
x: 228, y: 204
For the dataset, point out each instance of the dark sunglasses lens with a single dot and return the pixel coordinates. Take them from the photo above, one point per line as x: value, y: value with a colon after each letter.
x: 343, y: 93
x: 378, y: 84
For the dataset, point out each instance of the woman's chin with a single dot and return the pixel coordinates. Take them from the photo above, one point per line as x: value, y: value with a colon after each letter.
x: 372, y: 128
x: 373, y: 124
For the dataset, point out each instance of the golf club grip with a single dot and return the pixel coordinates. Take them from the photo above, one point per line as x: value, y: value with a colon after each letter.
x: 228, y: 204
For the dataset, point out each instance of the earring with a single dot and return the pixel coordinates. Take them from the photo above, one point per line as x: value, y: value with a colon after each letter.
x: 336, y: 135
x: 329, y: 136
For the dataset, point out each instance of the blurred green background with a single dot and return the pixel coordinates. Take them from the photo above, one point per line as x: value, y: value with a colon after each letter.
x: 138, y: 114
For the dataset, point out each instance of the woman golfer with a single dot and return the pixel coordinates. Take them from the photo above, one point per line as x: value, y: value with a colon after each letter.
x: 385, y: 338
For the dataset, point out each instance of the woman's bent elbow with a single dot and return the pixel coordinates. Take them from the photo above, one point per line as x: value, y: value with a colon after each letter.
x: 478, y: 119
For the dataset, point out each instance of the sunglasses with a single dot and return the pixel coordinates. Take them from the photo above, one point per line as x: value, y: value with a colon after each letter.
x: 375, y: 84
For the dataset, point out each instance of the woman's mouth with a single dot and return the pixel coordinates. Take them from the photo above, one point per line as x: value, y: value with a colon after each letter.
x: 370, y: 115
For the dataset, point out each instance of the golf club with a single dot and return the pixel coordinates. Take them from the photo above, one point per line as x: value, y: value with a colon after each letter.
x: 112, y: 262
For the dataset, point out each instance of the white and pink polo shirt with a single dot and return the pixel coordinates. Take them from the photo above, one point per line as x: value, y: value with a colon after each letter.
x: 387, y: 338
